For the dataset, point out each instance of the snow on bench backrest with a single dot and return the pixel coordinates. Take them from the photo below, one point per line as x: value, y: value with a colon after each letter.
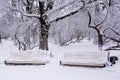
x: 98, y: 56
x: 31, y: 54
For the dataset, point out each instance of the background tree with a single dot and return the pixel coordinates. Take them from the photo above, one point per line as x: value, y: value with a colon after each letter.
x: 31, y: 22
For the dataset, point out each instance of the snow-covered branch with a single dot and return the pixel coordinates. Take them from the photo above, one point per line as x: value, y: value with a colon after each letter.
x: 90, y: 19
x: 25, y: 14
x: 117, y: 33
x: 61, y: 7
x: 111, y: 38
x: 102, y: 20
x: 66, y: 15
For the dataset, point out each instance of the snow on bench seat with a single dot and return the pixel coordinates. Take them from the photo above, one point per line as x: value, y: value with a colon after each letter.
x: 86, y: 58
x: 28, y: 57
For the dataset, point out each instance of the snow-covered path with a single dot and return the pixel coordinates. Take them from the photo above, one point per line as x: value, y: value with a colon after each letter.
x: 53, y: 71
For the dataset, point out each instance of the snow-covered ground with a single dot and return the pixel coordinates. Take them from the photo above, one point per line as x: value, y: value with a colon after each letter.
x: 52, y: 70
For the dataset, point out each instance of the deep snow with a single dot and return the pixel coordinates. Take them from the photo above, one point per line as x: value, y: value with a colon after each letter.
x: 52, y: 70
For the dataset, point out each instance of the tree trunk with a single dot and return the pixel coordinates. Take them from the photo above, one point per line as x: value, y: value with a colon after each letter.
x: 43, y: 36
x: 0, y: 39
x: 43, y: 40
x: 44, y: 28
x: 100, y: 40
x: 27, y: 39
x: 100, y: 37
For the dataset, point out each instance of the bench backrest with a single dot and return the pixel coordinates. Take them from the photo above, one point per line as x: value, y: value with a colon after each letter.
x: 88, y: 55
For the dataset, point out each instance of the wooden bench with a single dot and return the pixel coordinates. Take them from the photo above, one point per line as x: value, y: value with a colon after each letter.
x: 85, y: 58
x: 28, y: 58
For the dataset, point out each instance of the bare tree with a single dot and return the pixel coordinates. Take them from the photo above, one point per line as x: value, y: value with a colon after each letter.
x: 46, y: 15
x: 97, y: 27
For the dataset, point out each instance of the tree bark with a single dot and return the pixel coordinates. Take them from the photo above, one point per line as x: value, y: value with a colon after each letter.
x: 43, y: 39
x: 43, y: 36
x: 44, y: 28
x: 100, y: 40
x: 0, y: 39
x: 100, y: 37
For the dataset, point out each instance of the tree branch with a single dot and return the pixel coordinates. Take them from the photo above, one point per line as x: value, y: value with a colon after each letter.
x: 62, y: 6
x: 112, y: 30
x: 102, y: 20
x: 25, y: 14
x: 24, y: 2
x: 90, y: 19
x: 19, y: 42
x: 113, y: 48
x: 113, y: 39
x: 67, y: 15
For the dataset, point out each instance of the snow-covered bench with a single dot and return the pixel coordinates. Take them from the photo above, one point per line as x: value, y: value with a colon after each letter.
x: 85, y: 58
x: 28, y: 57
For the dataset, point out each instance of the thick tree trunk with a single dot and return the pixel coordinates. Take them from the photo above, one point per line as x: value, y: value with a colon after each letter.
x: 44, y: 28
x: 43, y: 36
x: 43, y: 40
x: 44, y: 44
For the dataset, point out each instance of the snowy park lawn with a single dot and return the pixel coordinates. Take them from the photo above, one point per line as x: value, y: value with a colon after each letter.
x: 53, y: 70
